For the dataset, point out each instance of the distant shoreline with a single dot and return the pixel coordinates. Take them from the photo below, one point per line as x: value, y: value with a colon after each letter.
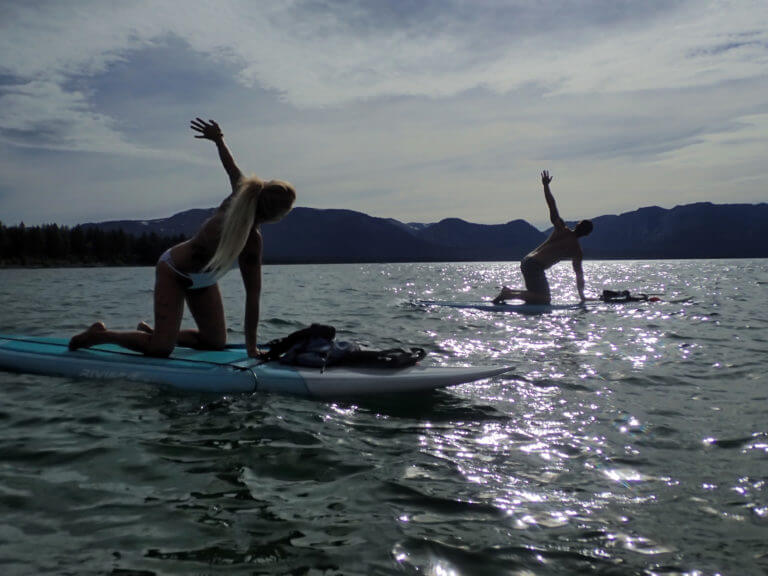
x: 62, y: 266
x: 332, y: 236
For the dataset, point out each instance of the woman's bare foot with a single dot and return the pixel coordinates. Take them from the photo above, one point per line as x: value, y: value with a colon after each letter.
x: 87, y: 337
x: 144, y: 327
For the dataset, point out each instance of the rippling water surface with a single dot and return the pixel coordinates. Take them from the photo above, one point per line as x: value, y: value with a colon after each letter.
x: 630, y: 439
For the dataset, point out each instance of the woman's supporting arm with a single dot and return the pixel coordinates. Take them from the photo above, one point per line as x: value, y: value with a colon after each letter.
x: 250, y: 269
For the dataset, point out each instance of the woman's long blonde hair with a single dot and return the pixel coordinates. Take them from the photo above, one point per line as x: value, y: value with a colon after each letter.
x: 254, y: 202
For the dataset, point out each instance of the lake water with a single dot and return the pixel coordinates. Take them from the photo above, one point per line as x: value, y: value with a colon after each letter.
x: 630, y: 439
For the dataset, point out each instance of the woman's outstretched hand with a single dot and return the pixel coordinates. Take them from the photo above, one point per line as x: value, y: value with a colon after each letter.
x: 208, y: 130
x: 545, y: 177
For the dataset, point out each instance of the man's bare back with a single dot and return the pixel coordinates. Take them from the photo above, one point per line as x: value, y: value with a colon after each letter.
x: 562, y: 244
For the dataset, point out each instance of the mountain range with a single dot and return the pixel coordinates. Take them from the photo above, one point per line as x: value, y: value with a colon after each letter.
x: 310, y: 235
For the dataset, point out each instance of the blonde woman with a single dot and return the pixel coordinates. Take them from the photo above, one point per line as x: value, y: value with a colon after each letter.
x: 189, y: 272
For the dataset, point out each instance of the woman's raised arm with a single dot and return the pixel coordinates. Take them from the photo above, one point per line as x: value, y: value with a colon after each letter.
x: 211, y: 131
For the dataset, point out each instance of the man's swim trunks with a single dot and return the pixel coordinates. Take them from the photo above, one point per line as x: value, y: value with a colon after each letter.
x: 535, y: 279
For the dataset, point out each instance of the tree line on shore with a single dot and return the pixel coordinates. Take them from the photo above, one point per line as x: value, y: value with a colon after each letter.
x: 54, y: 245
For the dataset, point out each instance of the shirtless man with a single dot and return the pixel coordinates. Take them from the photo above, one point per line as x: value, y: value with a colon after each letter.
x: 562, y: 244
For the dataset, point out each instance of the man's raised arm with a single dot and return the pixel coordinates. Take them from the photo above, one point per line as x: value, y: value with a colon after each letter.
x: 554, y: 215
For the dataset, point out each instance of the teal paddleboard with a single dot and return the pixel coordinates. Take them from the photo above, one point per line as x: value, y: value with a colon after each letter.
x: 224, y: 371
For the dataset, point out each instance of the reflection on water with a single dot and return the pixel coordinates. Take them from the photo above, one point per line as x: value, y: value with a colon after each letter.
x: 630, y: 439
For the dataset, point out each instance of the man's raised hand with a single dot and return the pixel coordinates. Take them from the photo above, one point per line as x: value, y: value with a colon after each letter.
x: 208, y: 130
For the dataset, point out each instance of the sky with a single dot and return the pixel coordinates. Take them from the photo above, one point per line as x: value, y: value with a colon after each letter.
x: 417, y: 110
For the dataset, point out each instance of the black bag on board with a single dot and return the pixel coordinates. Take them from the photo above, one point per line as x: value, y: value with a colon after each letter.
x: 315, y: 346
x: 622, y: 296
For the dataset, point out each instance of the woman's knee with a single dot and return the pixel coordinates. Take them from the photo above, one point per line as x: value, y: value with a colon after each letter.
x: 214, y: 341
x: 160, y: 348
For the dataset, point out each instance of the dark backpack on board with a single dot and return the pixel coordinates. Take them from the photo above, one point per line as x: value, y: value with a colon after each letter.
x: 623, y: 296
x: 315, y: 346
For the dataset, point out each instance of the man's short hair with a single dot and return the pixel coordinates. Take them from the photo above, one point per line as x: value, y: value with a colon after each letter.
x: 583, y: 228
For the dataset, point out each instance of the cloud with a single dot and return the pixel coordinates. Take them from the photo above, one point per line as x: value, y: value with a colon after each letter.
x: 351, y: 98
x: 42, y: 114
x: 317, y: 54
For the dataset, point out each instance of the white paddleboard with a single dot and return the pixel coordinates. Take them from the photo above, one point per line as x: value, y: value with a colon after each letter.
x: 488, y: 306
x: 523, y: 308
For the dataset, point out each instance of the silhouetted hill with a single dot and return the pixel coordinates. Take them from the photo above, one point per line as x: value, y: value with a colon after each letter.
x: 510, y: 241
x: 185, y: 223
x: 701, y: 230
x: 311, y: 235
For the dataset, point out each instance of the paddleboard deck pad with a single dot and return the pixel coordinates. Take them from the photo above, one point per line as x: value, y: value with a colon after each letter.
x: 225, y: 371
